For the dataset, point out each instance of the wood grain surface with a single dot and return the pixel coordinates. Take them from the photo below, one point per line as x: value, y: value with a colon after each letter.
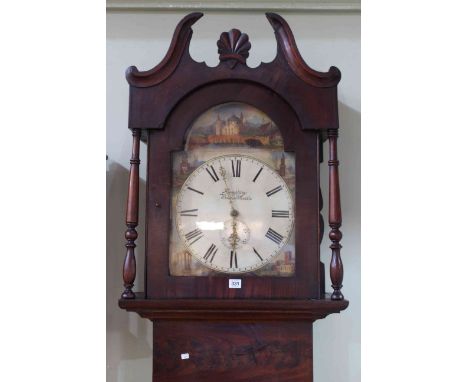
x: 232, y: 352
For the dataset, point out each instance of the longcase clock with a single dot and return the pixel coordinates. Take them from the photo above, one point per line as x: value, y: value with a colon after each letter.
x: 233, y: 277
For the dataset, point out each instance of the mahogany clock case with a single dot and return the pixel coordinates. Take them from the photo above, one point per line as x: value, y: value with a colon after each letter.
x: 165, y: 100
x: 261, y: 332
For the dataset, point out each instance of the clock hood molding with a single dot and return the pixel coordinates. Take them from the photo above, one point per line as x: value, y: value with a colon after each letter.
x: 306, y: 89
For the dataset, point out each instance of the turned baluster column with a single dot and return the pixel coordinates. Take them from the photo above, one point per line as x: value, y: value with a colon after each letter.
x: 334, y: 217
x: 129, y: 267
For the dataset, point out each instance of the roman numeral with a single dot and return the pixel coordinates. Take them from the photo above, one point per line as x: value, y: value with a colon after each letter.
x: 193, y: 212
x: 192, y: 189
x: 260, y: 257
x: 274, y: 191
x: 212, y: 173
x: 233, y: 259
x: 236, y: 170
x: 195, y: 234
x: 211, y: 252
x: 258, y: 173
x: 274, y: 236
x: 279, y: 214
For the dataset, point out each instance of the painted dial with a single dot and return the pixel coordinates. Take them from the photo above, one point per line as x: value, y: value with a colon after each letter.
x: 234, y: 213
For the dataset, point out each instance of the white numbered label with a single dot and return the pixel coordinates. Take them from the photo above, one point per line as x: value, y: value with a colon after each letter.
x: 235, y: 283
x: 184, y: 356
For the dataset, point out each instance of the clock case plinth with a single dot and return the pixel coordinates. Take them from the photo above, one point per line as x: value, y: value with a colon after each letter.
x: 268, y: 315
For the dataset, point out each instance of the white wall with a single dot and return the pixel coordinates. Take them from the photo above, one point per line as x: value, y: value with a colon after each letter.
x: 324, y: 39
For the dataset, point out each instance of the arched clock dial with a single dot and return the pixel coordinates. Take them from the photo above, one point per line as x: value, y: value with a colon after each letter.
x: 234, y: 213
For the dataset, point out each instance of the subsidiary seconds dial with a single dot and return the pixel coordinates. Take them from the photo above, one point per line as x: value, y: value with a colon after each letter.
x: 234, y: 213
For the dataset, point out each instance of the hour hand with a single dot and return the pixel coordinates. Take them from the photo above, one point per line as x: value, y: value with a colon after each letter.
x: 234, y: 237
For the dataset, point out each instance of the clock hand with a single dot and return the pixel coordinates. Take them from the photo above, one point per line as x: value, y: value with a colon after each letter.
x: 228, y: 192
x: 234, y: 237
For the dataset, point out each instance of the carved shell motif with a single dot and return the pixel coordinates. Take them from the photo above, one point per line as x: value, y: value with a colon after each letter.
x: 233, y: 47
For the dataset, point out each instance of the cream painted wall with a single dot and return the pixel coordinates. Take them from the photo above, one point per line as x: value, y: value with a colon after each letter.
x: 324, y: 39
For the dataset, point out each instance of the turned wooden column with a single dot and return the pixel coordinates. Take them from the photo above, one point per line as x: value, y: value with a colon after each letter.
x: 334, y: 217
x: 129, y: 267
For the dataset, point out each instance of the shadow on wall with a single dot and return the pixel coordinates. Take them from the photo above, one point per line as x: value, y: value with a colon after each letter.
x: 349, y: 151
x: 129, y: 338
x: 349, y: 155
x: 342, y: 332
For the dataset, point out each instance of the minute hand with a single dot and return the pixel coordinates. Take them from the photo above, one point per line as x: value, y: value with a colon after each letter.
x: 229, y: 193
x: 234, y: 237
